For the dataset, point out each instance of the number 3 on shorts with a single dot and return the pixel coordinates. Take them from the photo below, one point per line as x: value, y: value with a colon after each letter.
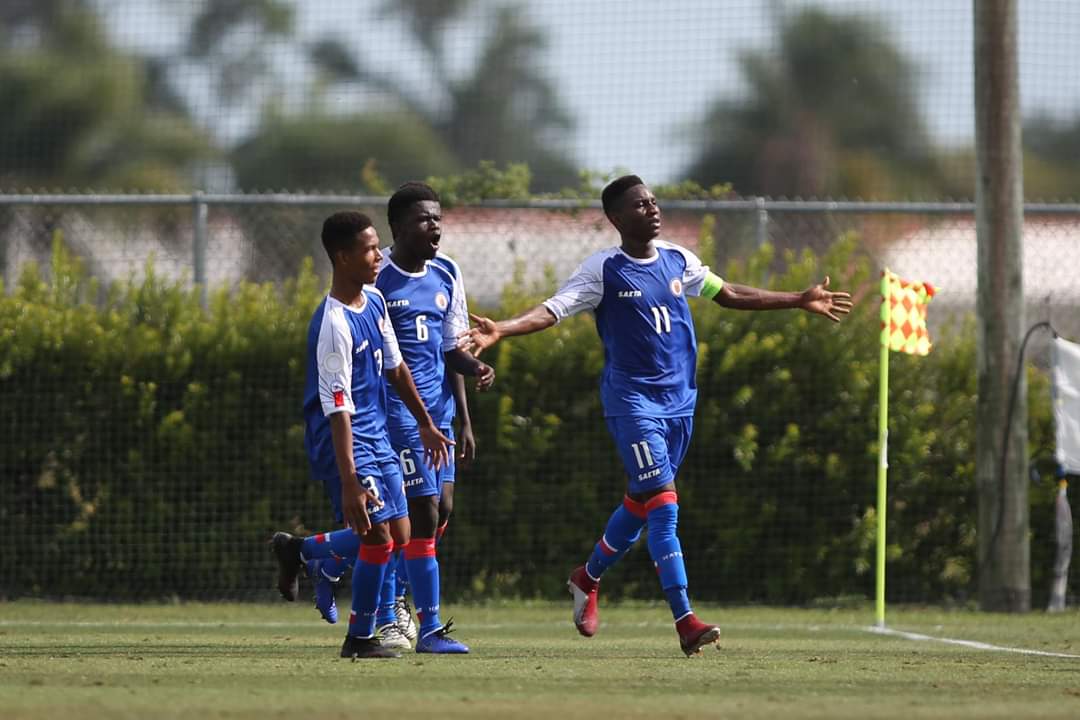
x: 369, y: 484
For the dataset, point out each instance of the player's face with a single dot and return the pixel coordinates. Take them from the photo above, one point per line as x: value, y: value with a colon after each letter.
x: 638, y: 215
x: 420, y: 231
x: 361, y: 262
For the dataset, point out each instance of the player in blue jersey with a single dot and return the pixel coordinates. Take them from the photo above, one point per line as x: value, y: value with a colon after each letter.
x: 427, y: 307
x: 456, y: 407
x: 638, y: 293
x: 351, y: 348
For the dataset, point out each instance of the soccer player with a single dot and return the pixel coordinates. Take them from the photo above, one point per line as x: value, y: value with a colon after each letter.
x: 638, y: 293
x: 427, y: 307
x: 351, y: 347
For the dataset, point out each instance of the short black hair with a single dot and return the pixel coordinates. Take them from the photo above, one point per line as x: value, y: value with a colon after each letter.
x: 339, y: 231
x: 616, y: 188
x: 407, y: 195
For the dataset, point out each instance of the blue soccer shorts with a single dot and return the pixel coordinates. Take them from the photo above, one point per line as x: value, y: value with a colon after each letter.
x: 379, y: 471
x: 420, y: 479
x: 651, y: 448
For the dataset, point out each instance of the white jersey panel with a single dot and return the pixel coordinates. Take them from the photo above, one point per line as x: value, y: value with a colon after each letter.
x: 457, y: 317
x: 583, y: 290
x: 391, y: 352
x: 333, y: 358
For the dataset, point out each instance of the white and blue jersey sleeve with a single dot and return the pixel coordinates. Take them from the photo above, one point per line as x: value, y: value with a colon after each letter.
x: 457, y: 316
x: 333, y: 358
x: 391, y: 351
x: 583, y: 290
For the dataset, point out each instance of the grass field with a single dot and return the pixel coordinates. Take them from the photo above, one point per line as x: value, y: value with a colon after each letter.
x: 276, y: 661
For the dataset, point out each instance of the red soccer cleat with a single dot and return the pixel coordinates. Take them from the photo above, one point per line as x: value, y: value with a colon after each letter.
x: 694, y: 634
x: 583, y: 588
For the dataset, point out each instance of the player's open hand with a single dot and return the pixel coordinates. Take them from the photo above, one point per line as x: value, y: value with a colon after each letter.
x: 437, y: 447
x: 485, y: 377
x: 821, y: 301
x: 480, y: 337
x: 354, y: 505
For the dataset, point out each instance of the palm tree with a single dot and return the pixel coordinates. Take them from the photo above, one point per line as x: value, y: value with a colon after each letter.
x: 831, y: 112
x: 502, y: 109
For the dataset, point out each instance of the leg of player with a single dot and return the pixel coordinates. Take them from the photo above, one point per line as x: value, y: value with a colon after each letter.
x: 666, y: 551
x: 420, y: 556
x: 325, y: 575
x: 402, y: 609
x: 386, y: 626
x: 446, y: 504
x: 292, y: 554
x: 622, y: 531
x: 375, y: 550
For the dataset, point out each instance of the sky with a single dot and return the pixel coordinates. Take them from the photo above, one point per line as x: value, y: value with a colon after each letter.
x: 639, y: 76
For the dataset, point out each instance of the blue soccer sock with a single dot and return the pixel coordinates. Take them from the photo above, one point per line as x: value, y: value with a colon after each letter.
x: 401, y: 576
x: 334, y: 568
x: 340, y: 543
x: 666, y: 551
x: 366, y: 585
x: 424, y: 579
x: 388, y: 594
x: 622, y: 531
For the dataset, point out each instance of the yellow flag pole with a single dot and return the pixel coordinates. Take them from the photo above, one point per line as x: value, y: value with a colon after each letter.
x: 883, y: 448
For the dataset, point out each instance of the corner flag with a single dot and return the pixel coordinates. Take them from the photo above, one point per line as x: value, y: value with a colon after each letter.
x: 903, y: 329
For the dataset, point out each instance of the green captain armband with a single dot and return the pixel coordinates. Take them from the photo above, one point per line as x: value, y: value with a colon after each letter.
x: 713, y: 285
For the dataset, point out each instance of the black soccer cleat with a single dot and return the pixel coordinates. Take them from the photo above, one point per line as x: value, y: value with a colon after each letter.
x: 362, y: 648
x: 286, y: 549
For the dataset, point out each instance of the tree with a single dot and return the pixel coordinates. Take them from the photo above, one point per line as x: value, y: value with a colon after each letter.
x: 319, y: 151
x: 831, y: 113
x: 502, y: 109
x: 80, y: 112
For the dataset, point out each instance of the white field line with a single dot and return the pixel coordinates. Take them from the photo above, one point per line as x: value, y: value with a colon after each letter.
x: 975, y: 645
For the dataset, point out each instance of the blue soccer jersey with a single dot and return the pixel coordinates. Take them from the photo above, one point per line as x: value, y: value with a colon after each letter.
x: 644, y: 321
x: 348, y: 348
x: 427, y: 309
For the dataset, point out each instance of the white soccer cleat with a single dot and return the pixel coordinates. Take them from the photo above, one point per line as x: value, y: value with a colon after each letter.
x: 390, y: 636
x: 404, y: 618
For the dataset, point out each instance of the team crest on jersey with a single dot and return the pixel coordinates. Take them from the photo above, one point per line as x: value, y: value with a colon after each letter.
x: 676, y: 287
x: 441, y: 301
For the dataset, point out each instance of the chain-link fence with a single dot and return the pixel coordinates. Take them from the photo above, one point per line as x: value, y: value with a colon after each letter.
x: 155, y: 462
x: 215, y: 240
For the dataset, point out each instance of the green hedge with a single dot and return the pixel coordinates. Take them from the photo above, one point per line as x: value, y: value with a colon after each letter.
x: 150, y: 447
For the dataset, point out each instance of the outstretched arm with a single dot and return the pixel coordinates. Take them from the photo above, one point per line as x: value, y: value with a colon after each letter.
x: 487, y: 332
x: 817, y: 299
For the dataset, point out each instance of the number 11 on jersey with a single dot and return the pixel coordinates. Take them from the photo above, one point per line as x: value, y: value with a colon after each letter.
x: 661, y: 319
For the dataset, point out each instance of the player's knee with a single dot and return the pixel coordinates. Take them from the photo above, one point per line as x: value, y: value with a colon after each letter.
x: 400, y: 531
x: 378, y: 535
x: 424, y: 515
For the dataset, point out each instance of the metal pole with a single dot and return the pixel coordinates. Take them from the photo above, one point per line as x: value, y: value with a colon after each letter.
x: 1001, y: 441
x: 761, y: 222
x: 199, y: 216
